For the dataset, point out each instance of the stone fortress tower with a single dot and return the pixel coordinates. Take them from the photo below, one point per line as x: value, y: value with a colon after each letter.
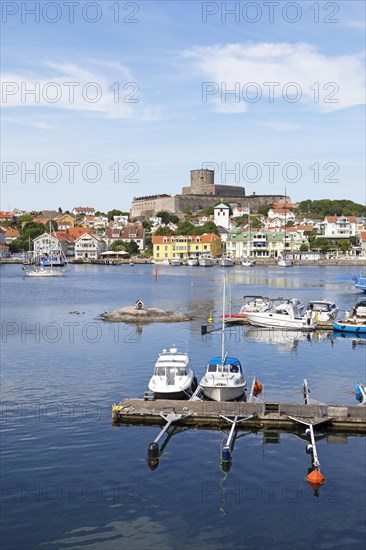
x: 203, y: 183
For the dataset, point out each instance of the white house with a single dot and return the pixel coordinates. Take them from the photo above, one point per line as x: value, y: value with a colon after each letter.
x: 284, y: 214
x: 339, y: 227
x: 84, y: 210
x: 221, y: 216
x: 47, y: 244
x: 89, y: 246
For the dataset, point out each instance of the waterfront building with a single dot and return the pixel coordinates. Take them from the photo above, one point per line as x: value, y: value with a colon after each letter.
x: 89, y: 247
x: 183, y: 246
x: 338, y: 227
x: 263, y: 244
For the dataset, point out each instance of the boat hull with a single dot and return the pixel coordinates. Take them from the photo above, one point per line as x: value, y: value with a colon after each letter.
x: 223, y: 393
x: 45, y: 273
x: 345, y: 326
x: 259, y: 320
x: 175, y: 392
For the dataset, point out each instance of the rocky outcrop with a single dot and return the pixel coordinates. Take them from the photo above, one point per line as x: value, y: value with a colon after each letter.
x: 145, y: 315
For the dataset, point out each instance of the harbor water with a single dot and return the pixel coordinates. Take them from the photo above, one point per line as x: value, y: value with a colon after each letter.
x: 72, y: 481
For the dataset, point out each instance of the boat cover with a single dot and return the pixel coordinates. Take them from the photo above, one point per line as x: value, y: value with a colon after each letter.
x: 228, y: 361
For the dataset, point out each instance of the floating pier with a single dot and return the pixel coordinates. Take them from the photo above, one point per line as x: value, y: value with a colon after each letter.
x: 263, y: 415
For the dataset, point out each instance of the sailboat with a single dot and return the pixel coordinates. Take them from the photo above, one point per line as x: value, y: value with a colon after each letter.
x: 284, y: 261
x: 224, y: 379
x: 44, y: 270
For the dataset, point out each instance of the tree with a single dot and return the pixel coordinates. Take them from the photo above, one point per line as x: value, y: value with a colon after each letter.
x: 304, y: 247
x: 208, y: 227
x: 131, y: 247
x: 115, y: 212
x: 118, y: 245
x: 264, y: 209
x: 185, y: 228
x: 25, y: 218
x: 59, y: 210
x: 344, y: 245
x: 164, y: 216
x: 173, y: 218
x: 187, y: 211
x: 163, y: 231
x: 147, y: 225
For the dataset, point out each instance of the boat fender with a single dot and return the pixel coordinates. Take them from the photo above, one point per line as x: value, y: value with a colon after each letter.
x: 257, y: 389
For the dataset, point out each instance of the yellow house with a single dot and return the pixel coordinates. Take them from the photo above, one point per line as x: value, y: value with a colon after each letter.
x: 65, y: 221
x: 185, y: 246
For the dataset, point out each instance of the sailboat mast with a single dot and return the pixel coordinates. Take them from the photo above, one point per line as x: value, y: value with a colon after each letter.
x: 284, y: 244
x: 223, y: 324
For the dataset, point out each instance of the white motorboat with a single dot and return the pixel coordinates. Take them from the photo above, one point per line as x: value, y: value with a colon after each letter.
x: 247, y: 263
x: 206, y: 260
x: 176, y: 261
x: 173, y: 377
x: 286, y: 315
x: 322, y: 311
x: 285, y: 262
x: 192, y: 261
x: 226, y: 261
x: 224, y: 379
x: 44, y: 272
x: 251, y: 304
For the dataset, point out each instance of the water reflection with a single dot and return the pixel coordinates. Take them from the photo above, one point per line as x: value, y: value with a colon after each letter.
x: 285, y: 340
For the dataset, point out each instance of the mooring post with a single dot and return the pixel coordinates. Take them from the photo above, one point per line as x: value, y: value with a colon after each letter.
x: 226, y: 455
x: 306, y: 391
x: 153, y: 450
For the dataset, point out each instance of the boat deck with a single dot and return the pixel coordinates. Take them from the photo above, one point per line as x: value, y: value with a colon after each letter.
x: 206, y: 414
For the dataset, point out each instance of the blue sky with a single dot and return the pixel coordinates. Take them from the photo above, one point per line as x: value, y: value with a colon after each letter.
x: 151, y: 84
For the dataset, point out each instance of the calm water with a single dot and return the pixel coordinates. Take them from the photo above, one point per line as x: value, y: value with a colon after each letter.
x: 71, y: 481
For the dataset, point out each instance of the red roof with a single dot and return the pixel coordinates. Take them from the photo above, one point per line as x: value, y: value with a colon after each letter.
x: 334, y: 219
x: 71, y: 234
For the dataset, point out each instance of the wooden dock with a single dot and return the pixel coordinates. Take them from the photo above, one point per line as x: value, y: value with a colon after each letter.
x: 208, y: 414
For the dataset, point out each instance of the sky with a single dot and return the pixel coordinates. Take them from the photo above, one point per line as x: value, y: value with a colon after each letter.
x: 109, y: 100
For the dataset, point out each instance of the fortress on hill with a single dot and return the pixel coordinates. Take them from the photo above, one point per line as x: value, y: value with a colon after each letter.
x: 202, y: 192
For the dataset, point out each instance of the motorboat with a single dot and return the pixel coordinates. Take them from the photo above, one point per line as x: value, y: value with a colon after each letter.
x: 226, y: 261
x: 176, y: 261
x: 360, y: 282
x: 287, y: 314
x: 247, y: 263
x: 173, y: 377
x: 206, y: 260
x: 193, y: 261
x: 285, y: 262
x: 354, y: 320
x: 224, y: 379
x: 322, y: 311
x: 44, y: 272
x: 251, y: 304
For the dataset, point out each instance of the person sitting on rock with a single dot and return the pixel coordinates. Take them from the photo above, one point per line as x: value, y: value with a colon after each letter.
x: 139, y: 304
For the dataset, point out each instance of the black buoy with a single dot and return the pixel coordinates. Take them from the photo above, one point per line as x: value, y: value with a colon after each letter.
x: 153, y: 463
x: 153, y: 451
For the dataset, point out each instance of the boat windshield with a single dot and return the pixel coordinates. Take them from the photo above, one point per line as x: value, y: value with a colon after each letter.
x: 178, y: 371
x: 223, y: 368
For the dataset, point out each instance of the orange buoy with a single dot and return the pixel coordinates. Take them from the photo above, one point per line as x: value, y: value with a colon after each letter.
x: 257, y: 389
x: 315, y: 478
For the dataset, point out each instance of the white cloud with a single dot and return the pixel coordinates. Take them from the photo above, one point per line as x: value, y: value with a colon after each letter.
x: 104, y: 88
x: 323, y: 83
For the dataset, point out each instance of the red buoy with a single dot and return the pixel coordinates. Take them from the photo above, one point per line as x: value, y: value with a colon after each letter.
x: 315, y: 478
